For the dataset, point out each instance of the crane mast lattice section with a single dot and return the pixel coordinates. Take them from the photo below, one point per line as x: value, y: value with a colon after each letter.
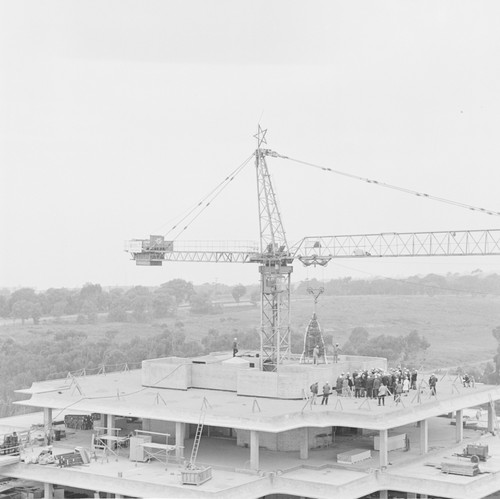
x: 275, y: 270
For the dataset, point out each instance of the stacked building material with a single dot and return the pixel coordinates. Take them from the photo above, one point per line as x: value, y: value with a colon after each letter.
x: 460, y: 468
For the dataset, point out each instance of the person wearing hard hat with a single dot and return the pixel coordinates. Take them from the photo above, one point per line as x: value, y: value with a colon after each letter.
x: 315, y: 354
x: 326, y: 393
x: 336, y: 350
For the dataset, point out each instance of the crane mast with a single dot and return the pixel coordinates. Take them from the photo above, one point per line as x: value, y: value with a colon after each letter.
x: 274, y: 268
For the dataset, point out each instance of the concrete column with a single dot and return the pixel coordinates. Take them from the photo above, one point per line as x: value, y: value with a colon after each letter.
x: 47, y: 423
x: 491, y: 417
x: 110, y: 423
x: 383, y: 452
x: 459, y: 430
x: 424, y: 436
x: 304, y: 443
x: 48, y: 491
x: 254, y: 450
x: 180, y: 435
x: 383, y: 494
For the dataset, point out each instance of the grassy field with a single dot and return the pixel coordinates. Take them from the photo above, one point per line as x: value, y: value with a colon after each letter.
x: 457, y: 327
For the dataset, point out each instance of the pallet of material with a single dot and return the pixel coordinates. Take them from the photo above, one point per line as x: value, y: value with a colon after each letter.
x: 353, y: 456
x: 196, y: 476
x: 394, y: 442
x: 460, y: 468
x: 69, y: 459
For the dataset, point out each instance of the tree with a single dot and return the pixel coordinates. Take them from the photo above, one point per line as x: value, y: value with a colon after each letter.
x: 25, y: 294
x: 407, y: 349
x: 88, y: 312
x: 214, y: 342
x: 94, y: 293
x: 141, y: 308
x: 385, y: 346
x: 54, y: 296
x: 413, y: 346
x: 117, y: 313
x: 4, y: 306
x: 238, y: 291
x: 164, y: 303
x: 36, y: 312
x: 59, y: 308
x: 22, y: 309
x: 90, y: 291
x: 357, y: 341
x: 181, y: 289
x: 201, y: 303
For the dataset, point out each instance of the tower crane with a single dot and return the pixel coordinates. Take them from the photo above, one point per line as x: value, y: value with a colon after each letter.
x: 274, y: 256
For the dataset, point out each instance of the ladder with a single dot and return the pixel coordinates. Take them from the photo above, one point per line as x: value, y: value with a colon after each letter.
x: 496, y: 428
x: 199, y: 431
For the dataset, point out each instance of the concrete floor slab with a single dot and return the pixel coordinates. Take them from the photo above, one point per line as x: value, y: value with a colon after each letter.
x: 122, y: 394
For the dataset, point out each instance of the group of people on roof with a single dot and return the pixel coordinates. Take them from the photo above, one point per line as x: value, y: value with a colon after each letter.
x: 367, y: 383
x: 373, y: 384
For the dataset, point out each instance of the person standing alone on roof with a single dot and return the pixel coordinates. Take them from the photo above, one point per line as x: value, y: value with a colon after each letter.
x: 326, y: 393
x: 336, y: 350
x: 314, y: 392
x: 235, y: 347
x: 315, y: 354
x: 381, y: 393
x: 432, y: 384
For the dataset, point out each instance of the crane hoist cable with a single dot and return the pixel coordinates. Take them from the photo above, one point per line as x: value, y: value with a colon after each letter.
x: 205, y: 202
x: 395, y: 187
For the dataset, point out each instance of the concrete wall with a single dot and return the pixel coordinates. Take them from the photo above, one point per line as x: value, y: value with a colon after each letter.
x: 291, y: 381
x: 216, y: 376
x: 257, y: 383
x: 287, y: 440
x: 170, y: 372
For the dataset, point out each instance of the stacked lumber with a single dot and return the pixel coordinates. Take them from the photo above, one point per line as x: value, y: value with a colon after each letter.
x: 460, y: 468
x: 353, y: 456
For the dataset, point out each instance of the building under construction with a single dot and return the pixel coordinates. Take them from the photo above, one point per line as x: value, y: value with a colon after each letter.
x: 247, y: 426
x: 218, y: 426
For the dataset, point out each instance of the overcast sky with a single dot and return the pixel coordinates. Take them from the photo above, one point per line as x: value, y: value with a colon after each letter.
x: 118, y: 116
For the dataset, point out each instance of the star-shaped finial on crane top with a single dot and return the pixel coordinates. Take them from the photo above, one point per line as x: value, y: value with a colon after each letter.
x: 261, y: 136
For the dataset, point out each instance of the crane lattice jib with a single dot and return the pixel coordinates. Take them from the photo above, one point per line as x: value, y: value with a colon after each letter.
x: 321, y: 249
x: 317, y: 249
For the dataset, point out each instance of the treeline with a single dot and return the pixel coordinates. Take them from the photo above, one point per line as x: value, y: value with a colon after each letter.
x: 137, y: 304
x: 430, y: 285
x: 56, y: 354
x: 408, y: 349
